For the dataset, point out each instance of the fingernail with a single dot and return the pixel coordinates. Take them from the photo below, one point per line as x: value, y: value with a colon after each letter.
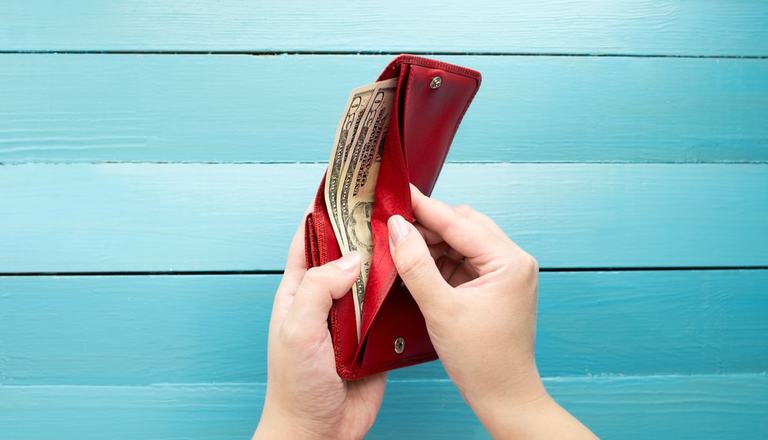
x: 398, y: 228
x: 349, y: 261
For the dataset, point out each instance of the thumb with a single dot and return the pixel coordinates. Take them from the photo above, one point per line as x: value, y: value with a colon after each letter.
x: 414, y: 263
x: 319, y: 287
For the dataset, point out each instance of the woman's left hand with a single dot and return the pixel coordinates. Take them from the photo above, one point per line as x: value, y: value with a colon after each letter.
x: 305, y: 396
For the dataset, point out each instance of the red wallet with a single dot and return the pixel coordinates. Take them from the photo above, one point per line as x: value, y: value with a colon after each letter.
x: 430, y: 101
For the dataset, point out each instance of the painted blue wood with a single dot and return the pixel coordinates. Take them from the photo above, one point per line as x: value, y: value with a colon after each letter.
x: 675, y: 27
x: 134, y: 217
x: 660, y: 407
x: 641, y: 354
x: 140, y: 330
x: 63, y: 108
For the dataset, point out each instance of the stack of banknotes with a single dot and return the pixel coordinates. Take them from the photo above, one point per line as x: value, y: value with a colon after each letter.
x: 353, y: 168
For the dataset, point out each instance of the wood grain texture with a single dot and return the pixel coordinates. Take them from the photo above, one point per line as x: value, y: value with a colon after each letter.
x: 165, y: 217
x: 139, y: 330
x: 678, y: 407
x: 674, y: 27
x: 634, y: 354
x: 83, y: 108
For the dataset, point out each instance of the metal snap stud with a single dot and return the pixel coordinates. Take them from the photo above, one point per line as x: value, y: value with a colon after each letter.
x: 399, y: 344
x: 436, y: 82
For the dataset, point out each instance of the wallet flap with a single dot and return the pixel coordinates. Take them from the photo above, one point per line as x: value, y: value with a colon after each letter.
x: 431, y: 98
x: 392, y: 197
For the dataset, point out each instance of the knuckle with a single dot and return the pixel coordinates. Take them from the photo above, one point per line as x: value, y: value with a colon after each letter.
x: 509, y: 253
x: 529, y: 269
x: 487, y: 219
x: 314, y: 276
x: 531, y: 263
x: 464, y: 209
x: 507, y: 263
x: 458, y: 226
x: 520, y: 266
x: 525, y: 263
x: 291, y: 334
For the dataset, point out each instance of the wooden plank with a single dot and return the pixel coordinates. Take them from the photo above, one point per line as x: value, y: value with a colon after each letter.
x: 204, y: 329
x: 150, y: 217
x: 682, y: 407
x: 84, y: 108
x: 672, y: 27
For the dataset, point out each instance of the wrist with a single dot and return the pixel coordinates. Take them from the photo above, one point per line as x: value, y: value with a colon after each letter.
x: 276, y: 424
x: 519, y: 420
x: 516, y: 393
x: 539, y: 418
x: 513, y: 388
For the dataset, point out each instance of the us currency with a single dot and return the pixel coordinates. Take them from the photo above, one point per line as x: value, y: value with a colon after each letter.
x: 357, y: 185
x: 351, y: 175
x: 345, y: 133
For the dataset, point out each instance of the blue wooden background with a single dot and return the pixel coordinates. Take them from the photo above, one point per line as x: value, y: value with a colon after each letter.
x: 157, y: 155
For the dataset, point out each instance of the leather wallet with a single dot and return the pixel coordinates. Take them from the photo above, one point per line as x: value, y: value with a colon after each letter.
x: 429, y: 102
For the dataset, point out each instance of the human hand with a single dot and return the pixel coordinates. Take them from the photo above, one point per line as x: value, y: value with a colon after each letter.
x: 305, y: 396
x: 477, y: 291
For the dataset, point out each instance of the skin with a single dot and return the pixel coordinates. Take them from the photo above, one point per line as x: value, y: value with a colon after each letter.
x: 477, y: 290
x: 306, y: 398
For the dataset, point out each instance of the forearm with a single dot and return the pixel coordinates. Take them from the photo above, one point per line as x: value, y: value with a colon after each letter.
x: 541, y: 418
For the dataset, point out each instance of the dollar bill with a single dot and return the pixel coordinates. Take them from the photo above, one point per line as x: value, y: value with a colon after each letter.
x: 357, y: 184
x: 352, y: 172
x: 363, y: 168
x: 350, y: 120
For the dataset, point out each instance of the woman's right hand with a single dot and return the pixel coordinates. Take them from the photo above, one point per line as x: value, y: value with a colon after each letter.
x: 477, y: 291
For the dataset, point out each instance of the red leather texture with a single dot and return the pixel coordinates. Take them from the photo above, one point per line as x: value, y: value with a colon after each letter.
x: 422, y: 125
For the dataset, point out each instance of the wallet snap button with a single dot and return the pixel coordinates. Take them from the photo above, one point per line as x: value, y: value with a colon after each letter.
x: 436, y: 82
x: 399, y: 344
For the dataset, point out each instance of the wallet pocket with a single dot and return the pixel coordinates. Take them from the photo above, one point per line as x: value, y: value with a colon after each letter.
x: 320, y: 242
x: 384, y: 296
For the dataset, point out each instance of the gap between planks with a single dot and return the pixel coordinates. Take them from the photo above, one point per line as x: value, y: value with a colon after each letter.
x: 280, y: 271
x: 545, y: 379
x: 11, y: 163
x: 373, y: 52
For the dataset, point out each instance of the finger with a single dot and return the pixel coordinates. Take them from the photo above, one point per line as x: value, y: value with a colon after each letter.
x: 429, y: 236
x: 468, y: 211
x: 466, y: 235
x: 296, y: 260
x: 319, y: 287
x: 295, y: 266
x: 462, y: 276
x: 296, y: 263
x: 368, y: 391
x: 453, y: 254
x: 438, y: 247
x: 446, y: 266
x: 438, y: 250
x: 414, y: 263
